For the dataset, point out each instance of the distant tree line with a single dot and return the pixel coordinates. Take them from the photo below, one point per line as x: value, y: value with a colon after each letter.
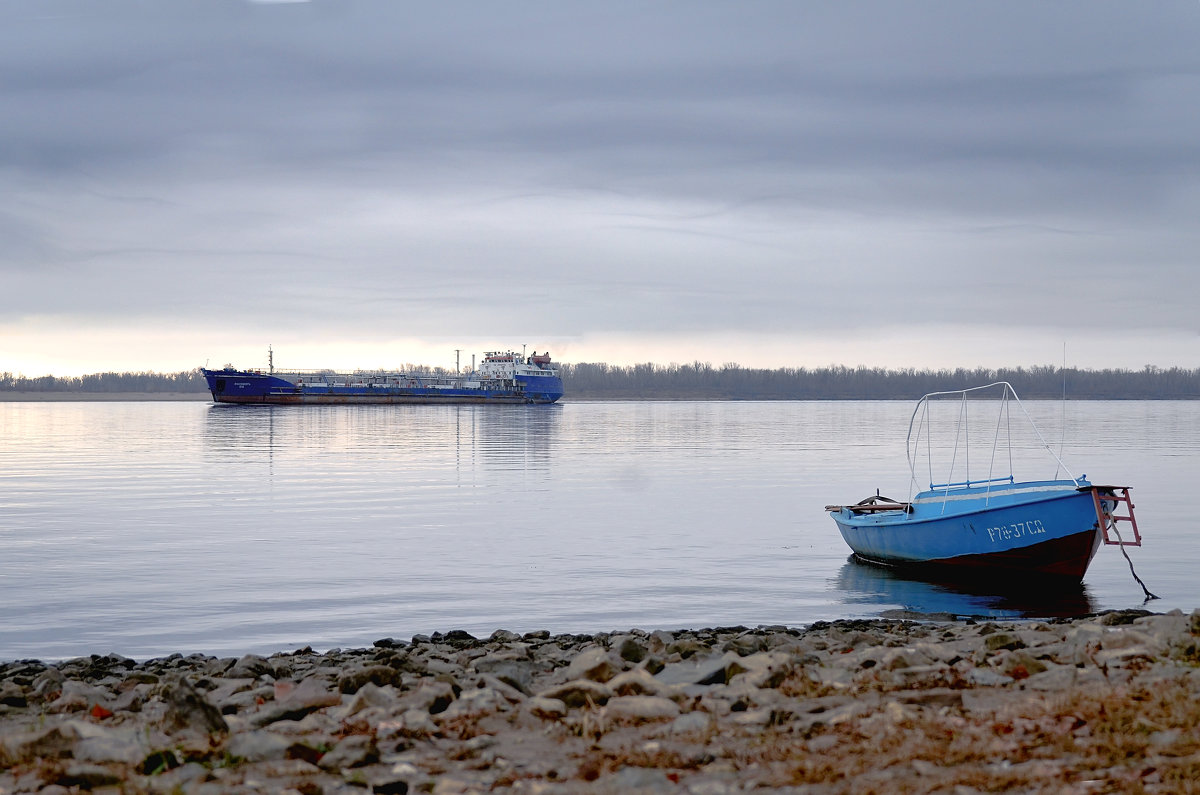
x: 186, y: 381
x: 703, y: 381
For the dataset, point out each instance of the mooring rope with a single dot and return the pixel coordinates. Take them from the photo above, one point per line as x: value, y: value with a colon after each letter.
x: 1121, y: 544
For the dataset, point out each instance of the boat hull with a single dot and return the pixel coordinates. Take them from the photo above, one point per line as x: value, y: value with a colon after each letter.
x: 250, y: 387
x: 1047, y: 529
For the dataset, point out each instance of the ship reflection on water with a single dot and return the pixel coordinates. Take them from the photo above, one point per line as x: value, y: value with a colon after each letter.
x: 865, y: 584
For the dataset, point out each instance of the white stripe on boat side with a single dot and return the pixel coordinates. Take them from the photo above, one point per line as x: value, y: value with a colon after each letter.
x: 979, y: 495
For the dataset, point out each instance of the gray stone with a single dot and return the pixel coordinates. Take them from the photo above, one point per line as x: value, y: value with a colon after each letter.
x: 548, y: 708
x: 251, y: 666
x: 188, y: 711
x: 985, y: 677
x: 935, y: 697
x: 378, y: 675
x: 691, y: 723
x: 55, y: 742
x: 579, y: 693
x: 257, y: 746
x: 1003, y: 640
x: 432, y: 697
x: 88, y: 776
x: 686, y: 647
x: 475, y: 702
x: 106, y: 744
x: 745, y: 645
x: 76, y: 696
x: 641, y: 708
x: 753, y: 717
x: 48, y: 681
x: 632, y: 650
x: 294, y: 702
x: 371, y: 696
x: 593, y: 664
x: 180, y: 779
x: 389, y: 643
x: 509, y: 692
x: 637, y: 682
x: 12, y: 694
x: 511, y: 667
x: 355, y: 750
x: 704, y: 671
x: 635, y: 780
x: 764, y: 669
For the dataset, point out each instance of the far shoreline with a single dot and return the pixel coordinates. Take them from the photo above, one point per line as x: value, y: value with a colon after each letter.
x: 145, y: 397
x: 90, y: 397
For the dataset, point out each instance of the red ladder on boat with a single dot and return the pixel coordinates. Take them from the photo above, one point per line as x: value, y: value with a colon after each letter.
x: 1109, y: 519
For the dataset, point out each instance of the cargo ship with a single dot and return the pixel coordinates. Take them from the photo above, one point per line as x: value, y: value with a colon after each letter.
x: 503, y: 377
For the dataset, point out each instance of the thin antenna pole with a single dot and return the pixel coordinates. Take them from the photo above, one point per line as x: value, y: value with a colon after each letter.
x: 1062, y: 439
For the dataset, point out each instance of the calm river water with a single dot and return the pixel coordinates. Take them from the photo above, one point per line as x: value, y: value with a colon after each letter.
x: 148, y: 528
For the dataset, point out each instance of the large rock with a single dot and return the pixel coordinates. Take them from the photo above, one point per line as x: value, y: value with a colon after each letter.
x: 55, y: 742
x: 594, y: 664
x: 355, y: 750
x: 631, y: 649
x: 103, y: 744
x: 475, y: 702
x: 251, y: 666
x: 431, y: 697
x: 548, y: 708
x: 257, y: 746
x: 637, y: 682
x: 579, y: 693
x: 511, y: 667
x: 188, y: 711
x: 294, y: 701
x: 378, y: 675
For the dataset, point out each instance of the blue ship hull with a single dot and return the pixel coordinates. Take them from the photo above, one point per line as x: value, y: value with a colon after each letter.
x: 1042, y: 528
x: 253, y: 387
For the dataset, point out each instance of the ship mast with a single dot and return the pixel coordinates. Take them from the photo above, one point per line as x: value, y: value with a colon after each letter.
x: 270, y: 360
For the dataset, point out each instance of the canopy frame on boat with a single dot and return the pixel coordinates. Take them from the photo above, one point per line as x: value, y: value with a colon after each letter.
x: 921, y: 423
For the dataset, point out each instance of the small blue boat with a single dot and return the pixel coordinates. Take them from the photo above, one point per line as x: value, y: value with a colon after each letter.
x: 994, y: 527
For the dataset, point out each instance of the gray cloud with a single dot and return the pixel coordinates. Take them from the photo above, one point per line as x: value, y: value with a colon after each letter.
x: 672, y: 168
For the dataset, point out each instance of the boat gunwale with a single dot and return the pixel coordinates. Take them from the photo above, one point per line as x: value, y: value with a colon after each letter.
x: 919, y: 512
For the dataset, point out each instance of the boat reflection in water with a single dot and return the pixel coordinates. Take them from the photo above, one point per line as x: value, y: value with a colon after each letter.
x: 864, y: 583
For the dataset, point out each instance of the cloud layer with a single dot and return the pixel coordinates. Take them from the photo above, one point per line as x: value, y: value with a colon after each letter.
x: 690, y: 180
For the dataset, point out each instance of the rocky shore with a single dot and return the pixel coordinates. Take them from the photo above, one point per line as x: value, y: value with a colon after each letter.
x: 1107, y: 703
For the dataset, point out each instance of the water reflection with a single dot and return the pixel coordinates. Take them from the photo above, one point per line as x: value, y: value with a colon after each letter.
x: 872, y: 585
x: 521, y: 437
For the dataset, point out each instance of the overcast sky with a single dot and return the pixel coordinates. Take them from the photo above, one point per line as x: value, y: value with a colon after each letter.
x: 773, y: 183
